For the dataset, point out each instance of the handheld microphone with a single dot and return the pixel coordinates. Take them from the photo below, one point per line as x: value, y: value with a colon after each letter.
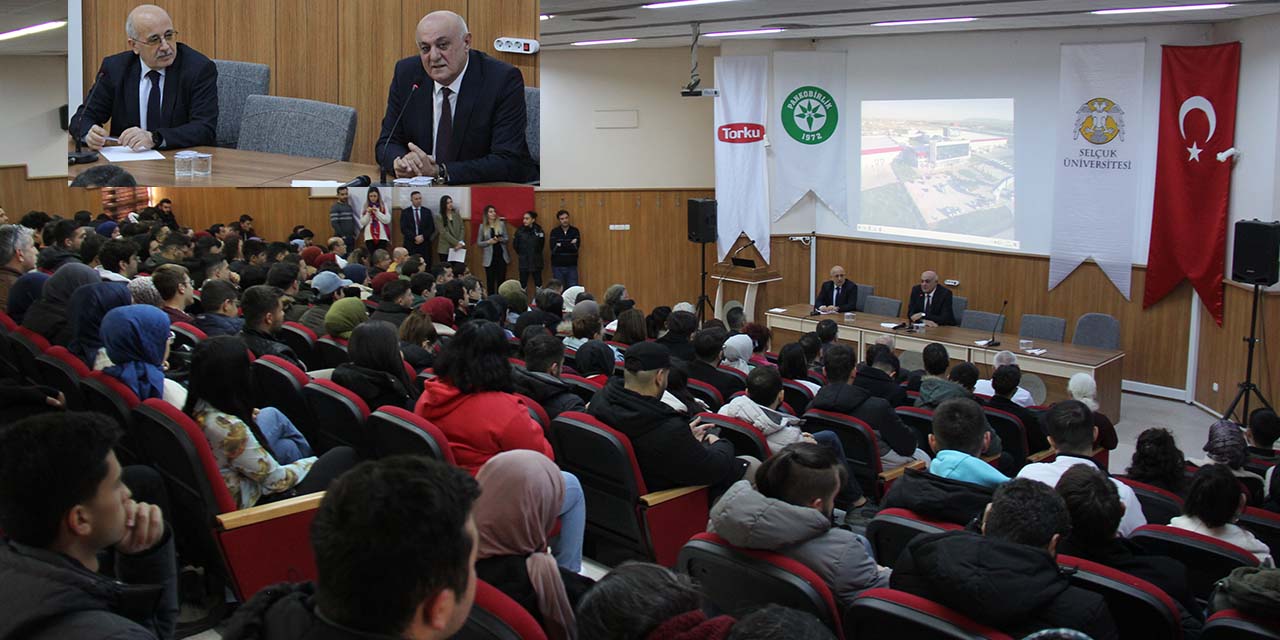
x: 741, y: 249
x: 993, y: 342
x: 382, y: 171
x: 80, y: 156
x: 358, y: 181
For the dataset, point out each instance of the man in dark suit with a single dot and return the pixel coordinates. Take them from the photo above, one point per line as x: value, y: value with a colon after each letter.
x: 461, y: 113
x: 931, y: 302
x: 837, y: 295
x: 159, y: 95
x: 417, y: 229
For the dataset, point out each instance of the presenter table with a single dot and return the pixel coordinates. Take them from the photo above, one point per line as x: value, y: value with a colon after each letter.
x: 1057, y: 364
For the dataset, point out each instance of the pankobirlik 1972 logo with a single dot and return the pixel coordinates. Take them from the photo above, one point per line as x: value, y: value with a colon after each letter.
x: 810, y: 115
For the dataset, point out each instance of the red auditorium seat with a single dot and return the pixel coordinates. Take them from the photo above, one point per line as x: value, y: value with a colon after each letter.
x: 331, y: 352
x: 621, y: 513
x: 27, y: 345
x: 706, y: 393
x: 398, y: 431
x: 817, y: 377
x: 187, y: 335
x: 495, y: 616
x: 734, y: 371
x: 1139, y: 608
x: 1207, y: 559
x: 920, y: 420
x: 735, y: 580
x: 62, y: 370
x: 584, y: 388
x: 1013, y: 434
x: 891, y: 529
x: 861, y: 448
x: 887, y: 613
x: 746, y: 438
x: 536, y: 411
x: 8, y: 361
x: 1230, y: 624
x: 338, y: 417
x: 278, y: 383
x: 1263, y: 524
x: 107, y: 395
x: 250, y: 548
x: 796, y: 395
x: 301, y: 340
x: 1159, y: 506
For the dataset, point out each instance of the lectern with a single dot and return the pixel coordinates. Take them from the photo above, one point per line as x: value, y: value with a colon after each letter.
x: 743, y: 265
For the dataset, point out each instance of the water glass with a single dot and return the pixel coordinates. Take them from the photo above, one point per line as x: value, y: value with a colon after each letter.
x: 1025, y: 345
x: 849, y: 316
x: 183, y: 164
x: 203, y: 164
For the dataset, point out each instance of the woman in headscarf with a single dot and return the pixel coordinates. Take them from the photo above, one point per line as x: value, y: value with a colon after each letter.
x: 344, y: 316
x: 1084, y: 388
x: 48, y: 316
x: 517, y: 299
x: 311, y: 255
x: 108, y: 230
x: 571, y: 295
x: 91, y: 302
x: 144, y: 291
x: 1227, y: 446
x: 356, y: 273
x: 26, y: 290
x: 737, y: 352
x: 520, y: 497
x: 595, y: 361
x: 441, y: 311
x: 137, y: 339
x: 616, y: 301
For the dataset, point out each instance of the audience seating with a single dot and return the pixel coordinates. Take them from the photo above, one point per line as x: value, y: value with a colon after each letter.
x: 1230, y: 624
x: 1097, y: 330
x: 736, y: 580
x: 236, y: 82
x: 1159, y: 506
x: 746, y: 438
x: 1139, y: 608
x: 297, y: 127
x: 959, y: 304
x: 887, y: 613
x: 1207, y: 559
x: 398, y: 431
x: 338, y: 417
x: 302, y: 341
x: 1265, y: 525
x: 495, y: 616
x: 26, y: 346
x: 8, y: 361
x: 891, y: 529
x: 330, y: 352
x: 620, y: 511
x: 733, y: 371
x: 536, y: 411
x: 861, y: 448
x: 1013, y: 434
x: 186, y: 335
x: 107, y: 395
x: 582, y: 387
x: 920, y: 420
x: 817, y: 377
x: 278, y: 383
x: 796, y: 395
x: 864, y: 291
x: 62, y: 370
x: 706, y: 393
x: 984, y: 321
x: 881, y: 306
x: 1037, y: 327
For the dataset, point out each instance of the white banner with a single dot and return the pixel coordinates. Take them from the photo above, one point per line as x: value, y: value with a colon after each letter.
x: 808, y: 119
x: 1095, y: 189
x: 741, y: 176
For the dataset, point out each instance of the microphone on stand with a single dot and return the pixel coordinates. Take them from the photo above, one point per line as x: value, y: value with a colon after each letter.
x: 358, y: 181
x: 993, y: 342
x: 740, y: 249
x: 80, y: 156
x: 382, y: 170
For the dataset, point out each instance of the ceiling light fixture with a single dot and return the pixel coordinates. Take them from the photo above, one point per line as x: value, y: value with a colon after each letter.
x: 35, y: 28
x: 680, y: 3
x: 588, y: 43
x: 748, y: 32
x: 908, y: 23
x: 1185, y: 7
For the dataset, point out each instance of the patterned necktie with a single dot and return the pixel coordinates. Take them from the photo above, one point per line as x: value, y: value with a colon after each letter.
x: 444, y: 131
x: 153, y: 101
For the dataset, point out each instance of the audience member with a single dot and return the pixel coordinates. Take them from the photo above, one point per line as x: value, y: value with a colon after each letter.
x: 639, y: 601
x: 17, y: 257
x: 985, y: 386
x: 737, y: 352
x: 760, y: 339
x: 263, y: 308
x: 394, y: 306
x: 1263, y: 430
x: 418, y: 340
x: 1007, y: 577
x: 595, y: 362
x: 284, y: 276
x: 793, y: 366
x: 1004, y: 386
x: 827, y: 331
x: 631, y: 327
x: 1157, y: 461
x: 735, y: 317
x: 616, y: 300
x: 137, y: 341
x: 934, y: 390
x: 680, y: 326
x: 540, y: 379
x: 878, y: 375
x: 812, y: 346
x: 441, y: 312
x: 1214, y: 503
x: 48, y: 315
x: 1227, y: 445
x: 92, y: 302
x: 586, y: 326
x: 708, y: 349
x: 403, y: 568
x: 174, y: 284
x: 376, y: 371
x: 144, y: 291
x: 118, y: 260
x: 1084, y: 388
x: 936, y: 361
x: 656, y: 322
x: 172, y: 250
x: 329, y: 287
x: 678, y: 396
x: 343, y: 317
x: 221, y: 304
x: 897, y: 441
x: 776, y: 622
x: 89, y: 249
x: 1071, y: 434
x: 62, y: 244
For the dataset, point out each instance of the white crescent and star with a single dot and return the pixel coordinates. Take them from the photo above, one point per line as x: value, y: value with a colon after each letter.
x: 1196, y: 103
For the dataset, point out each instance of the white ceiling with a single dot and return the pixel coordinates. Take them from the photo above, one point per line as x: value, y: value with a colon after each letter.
x: 577, y: 20
x: 16, y: 14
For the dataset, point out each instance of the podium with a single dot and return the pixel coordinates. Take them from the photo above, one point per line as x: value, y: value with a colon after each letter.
x: 735, y: 268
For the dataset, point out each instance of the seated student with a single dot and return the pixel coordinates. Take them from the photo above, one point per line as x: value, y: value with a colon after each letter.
x: 63, y: 502
x: 984, y: 387
x: 285, y: 276
x: 403, y: 570
x: 1227, y: 445
x: 418, y: 340
x: 776, y: 622
x: 221, y: 304
x: 1071, y: 434
x: 812, y: 350
x: 897, y: 441
x: 540, y: 379
x: 329, y: 287
x: 678, y: 396
x: 548, y: 312
x: 1004, y: 386
x: 422, y: 285
x: 737, y: 352
x: 957, y: 485
x: 118, y: 260
x: 1007, y: 577
x: 1084, y: 388
x: 789, y: 512
x: 137, y: 340
x: 343, y: 316
x: 585, y: 325
x: 1262, y: 432
x: 1214, y: 502
x: 259, y: 453
x: 394, y: 306
x: 827, y: 330
x: 92, y: 302
x: 520, y: 497
x: 1159, y: 462
x: 376, y: 371
x: 639, y: 600
x: 655, y: 324
x: 936, y: 362
x: 49, y: 315
x: 379, y: 262
x: 708, y: 347
x: 595, y: 362
x: 878, y: 376
x: 1096, y: 510
x: 959, y: 384
x: 761, y: 337
x: 263, y: 316
x: 441, y: 311
x: 680, y: 326
x: 631, y: 327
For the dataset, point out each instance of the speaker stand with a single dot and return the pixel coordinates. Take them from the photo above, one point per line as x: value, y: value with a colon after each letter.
x: 703, y: 300
x: 1248, y: 387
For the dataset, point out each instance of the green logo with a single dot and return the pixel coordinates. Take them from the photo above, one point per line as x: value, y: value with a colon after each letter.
x: 809, y: 115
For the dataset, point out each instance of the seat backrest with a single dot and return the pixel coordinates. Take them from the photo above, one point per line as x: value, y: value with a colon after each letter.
x: 864, y: 291
x: 1097, y: 330
x: 887, y: 613
x: 706, y: 393
x: 236, y: 82
x: 958, y: 305
x: 297, y: 127
x: 737, y: 580
x: 733, y: 371
x: 746, y: 438
x: 107, y: 395
x: 881, y: 306
x: 27, y: 345
x: 301, y: 340
x: 1263, y: 524
x: 982, y: 321
x: 532, y: 122
x: 1230, y: 624
x: 278, y: 383
x: 330, y: 353
x: 861, y: 447
x: 1013, y: 434
x: 796, y: 395
x: 1159, y: 506
x: 1207, y: 559
x: 62, y: 370
x: 536, y: 411
x: 605, y: 463
x: 582, y: 387
x: 338, y: 415
x: 1139, y: 608
x: 398, y: 431
x: 920, y: 420
x: 495, y: 616
x: 891, y: 529
x: 1039, y: 327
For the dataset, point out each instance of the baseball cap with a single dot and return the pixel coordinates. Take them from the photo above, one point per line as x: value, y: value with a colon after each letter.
x: 647, y: 356
x: 326, y: 282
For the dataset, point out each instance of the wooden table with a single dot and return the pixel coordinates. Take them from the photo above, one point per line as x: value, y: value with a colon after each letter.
x: 1056, y: 365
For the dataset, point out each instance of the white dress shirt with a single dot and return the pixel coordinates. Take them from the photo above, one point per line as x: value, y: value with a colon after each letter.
x: 1050, y: 472
x: 437, y: 96
x: 1021, y: 397
x: 144, y: 92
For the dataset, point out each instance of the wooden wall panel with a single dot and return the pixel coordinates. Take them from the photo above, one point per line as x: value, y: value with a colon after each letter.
x: 19, y: 194
x: 412, y: 11
x: 246, y: 31
x: 489, y: 19
x: 365, y: 66
x: 307, y: 60
x: 1222, y: 351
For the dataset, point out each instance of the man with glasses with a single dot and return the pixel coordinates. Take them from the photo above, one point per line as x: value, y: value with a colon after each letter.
x: 931, y: 302
x: 158, y: 95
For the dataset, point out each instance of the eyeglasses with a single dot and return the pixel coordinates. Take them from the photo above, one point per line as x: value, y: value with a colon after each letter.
x: 169, y: 36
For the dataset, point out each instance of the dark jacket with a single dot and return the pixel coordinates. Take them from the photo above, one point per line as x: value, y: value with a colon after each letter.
x: 285, y: 611
x: 940, y: 310
x: 528, y: 243
x: 1122, y: 555
x: 390, y: 312
x: 1014, y: 587
x: 844, y: 303
x: 668, y: 454
x: 881, y: 385
x: 376, y: 388
x: 425, y: 227
x: 49, y: 596
x: 262, y: 344
x: 313, y: 318
x: 49, y: 319
x: 214, y: 324
x: 857, y: 402
x: 724, y: 382
x: 933, y: 391
x: 1036, y: 440
x: 488, y: 142
x: 189, y: 102
x: 681, y: 348
x: 549, y: 391
x: 938, y: 498
x: 416, y: 356
x: 564, y: 251
x: 510, y: 575
x: 50, y: 258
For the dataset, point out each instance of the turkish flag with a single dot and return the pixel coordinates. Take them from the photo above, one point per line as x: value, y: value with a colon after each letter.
x: 1189, y: 219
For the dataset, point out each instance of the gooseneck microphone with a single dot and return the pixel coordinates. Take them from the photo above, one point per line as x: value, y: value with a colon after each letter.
x: 357, y: 182
x: 80, y: 156
x: 742, y: 248
x: 382, y: 169
x: 993, y: 342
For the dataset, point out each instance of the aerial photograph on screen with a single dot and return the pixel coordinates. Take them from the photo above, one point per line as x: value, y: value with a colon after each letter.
x: 940, y: 169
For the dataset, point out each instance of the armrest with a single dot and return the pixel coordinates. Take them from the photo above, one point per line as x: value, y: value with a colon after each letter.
x: 1041, y: 456
x: 262, y: 513
x: 658, y: 497
x: 889, y: 476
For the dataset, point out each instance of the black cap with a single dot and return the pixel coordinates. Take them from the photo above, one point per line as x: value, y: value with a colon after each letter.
x: 647, y: 356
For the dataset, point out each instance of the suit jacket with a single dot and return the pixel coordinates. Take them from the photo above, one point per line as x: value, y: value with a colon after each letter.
x: 488, y: 143
x: 939, y: 311
x: 188, y: 107
x: 848, y: 296
x: 426, y: 227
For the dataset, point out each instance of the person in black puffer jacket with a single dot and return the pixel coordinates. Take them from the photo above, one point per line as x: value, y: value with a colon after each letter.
x: 528, y: 242
x: 897, y: 442
x: 540, y: 379
x: 376, y: 372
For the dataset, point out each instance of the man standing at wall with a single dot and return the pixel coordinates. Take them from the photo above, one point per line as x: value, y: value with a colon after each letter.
x: 566, y: 241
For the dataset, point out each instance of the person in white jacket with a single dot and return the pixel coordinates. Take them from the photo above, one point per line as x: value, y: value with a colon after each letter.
x: 375, y: 222
x: 1214, y: 502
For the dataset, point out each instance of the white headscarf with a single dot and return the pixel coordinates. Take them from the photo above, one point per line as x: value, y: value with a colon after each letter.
x: 737, y: 351
x: 571, y: 294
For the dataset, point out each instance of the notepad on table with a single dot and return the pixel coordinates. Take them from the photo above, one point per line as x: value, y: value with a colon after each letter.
x: 125, y: 154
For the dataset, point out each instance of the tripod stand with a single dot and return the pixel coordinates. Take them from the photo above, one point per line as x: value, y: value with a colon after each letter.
x: 1247, y: 387
x: 703, y: 300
